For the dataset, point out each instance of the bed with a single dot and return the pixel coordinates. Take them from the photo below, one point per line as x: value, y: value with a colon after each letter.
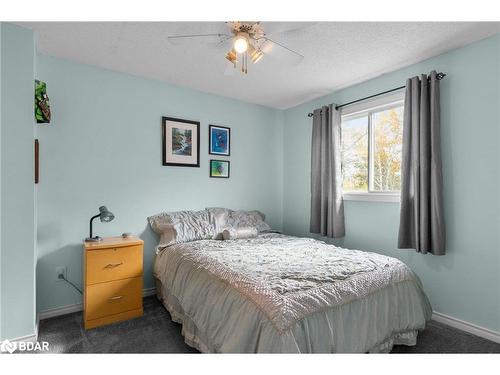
x: 273, y: 293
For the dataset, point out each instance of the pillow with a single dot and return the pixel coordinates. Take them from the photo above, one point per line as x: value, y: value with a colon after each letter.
x: 241, y: 219
x: 224, y: 218
x: 239, y: 233
x: 218, y: 219
x: 182, y: 226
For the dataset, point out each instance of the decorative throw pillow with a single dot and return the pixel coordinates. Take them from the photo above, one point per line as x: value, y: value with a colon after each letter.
x: 218, y: 219
x: 224, y: 218
x: 239, y: 233
x: 182, y: 226
x: 241, y: 219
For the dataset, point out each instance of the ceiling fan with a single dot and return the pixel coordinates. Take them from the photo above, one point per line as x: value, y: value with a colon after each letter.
x: 246, y: 41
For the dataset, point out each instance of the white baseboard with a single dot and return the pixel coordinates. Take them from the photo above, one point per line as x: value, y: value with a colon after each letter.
x: 462, y: 325
x: 58, y: 311
x: 68, y: 309
x: 27, y: 338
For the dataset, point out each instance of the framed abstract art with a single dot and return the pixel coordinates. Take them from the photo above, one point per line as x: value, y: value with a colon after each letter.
x: 181, y: 142
x: 219, y: 168
x: 219, y: 140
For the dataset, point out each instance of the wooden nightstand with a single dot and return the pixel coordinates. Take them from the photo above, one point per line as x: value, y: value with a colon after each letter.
x: 112, y: 280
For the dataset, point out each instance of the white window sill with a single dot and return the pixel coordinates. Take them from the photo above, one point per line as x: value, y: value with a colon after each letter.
x: 372, y: 197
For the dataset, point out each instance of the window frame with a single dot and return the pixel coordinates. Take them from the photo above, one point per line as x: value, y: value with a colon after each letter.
x: 368, y: 108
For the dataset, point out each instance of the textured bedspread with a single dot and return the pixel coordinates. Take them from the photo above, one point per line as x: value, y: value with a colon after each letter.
x: 286, y: 279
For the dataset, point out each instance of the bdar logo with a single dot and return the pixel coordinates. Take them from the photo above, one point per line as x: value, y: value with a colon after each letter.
x: 23, y: 346
x: 8, y: 346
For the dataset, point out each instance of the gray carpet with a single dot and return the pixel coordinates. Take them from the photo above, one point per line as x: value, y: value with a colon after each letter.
x: 156, y: 333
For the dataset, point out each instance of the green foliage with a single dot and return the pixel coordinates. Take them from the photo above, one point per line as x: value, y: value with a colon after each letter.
x: 355, y: 155
x: 387, y: 127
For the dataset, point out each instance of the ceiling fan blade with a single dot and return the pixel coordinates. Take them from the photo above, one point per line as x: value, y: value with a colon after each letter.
x: 271, y: 28
x: 280, y: 52
x: 224, y: 45
x: 198, y: 38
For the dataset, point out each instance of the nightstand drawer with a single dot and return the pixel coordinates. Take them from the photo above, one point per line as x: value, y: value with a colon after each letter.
x: 113, y: 264
x: 113, y: 297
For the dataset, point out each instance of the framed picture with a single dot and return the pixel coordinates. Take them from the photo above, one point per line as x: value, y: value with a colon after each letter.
x: 42, y: 105
x: 181, y: 142
x: 219, y: 140
x: 219, y: 168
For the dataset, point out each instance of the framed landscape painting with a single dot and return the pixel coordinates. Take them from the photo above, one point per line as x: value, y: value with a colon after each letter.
x: 181, y: 142
x: 219, y: 168
x: 219, y: 139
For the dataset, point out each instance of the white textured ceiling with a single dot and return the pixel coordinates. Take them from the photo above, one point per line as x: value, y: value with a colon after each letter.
x: 337, y: 54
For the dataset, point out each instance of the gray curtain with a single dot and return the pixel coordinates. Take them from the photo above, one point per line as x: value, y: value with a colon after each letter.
x: 422, y: 224
x: 327, y: 206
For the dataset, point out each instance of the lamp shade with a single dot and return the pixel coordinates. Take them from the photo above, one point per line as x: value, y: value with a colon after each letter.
x: 105, y: 215
x: 240, y: 43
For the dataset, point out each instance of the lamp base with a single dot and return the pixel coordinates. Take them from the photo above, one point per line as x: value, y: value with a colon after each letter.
x: 93, y: 239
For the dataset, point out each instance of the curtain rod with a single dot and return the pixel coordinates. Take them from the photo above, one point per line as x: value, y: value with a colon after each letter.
x: 439, y: 77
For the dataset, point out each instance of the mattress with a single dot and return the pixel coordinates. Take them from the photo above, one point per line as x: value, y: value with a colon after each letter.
x: 284, y: 294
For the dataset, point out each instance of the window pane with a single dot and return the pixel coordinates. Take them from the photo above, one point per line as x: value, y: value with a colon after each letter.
x: 387, y: 141
x: 355, y: 154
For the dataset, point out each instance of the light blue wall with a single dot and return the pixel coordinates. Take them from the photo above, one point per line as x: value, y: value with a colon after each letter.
x: 17, y: 191
x: 103, y: 146
x: 465, y: 283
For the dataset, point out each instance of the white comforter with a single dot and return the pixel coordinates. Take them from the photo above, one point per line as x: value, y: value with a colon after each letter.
x: 278, y: 293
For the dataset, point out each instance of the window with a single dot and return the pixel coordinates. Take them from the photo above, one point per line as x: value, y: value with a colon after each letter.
x: 372, y: 135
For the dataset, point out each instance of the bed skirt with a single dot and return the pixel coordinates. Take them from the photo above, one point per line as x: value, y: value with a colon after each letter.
x: 197, y: 338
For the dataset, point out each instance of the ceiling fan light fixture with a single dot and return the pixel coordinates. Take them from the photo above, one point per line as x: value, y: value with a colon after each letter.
x: 256, y: 55
x: 246, y: 41
x: 231, y: 57
x: 240, y: 43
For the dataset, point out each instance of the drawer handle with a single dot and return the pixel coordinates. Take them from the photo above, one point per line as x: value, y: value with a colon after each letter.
x: 113, y: 265
x: 115, y: 298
